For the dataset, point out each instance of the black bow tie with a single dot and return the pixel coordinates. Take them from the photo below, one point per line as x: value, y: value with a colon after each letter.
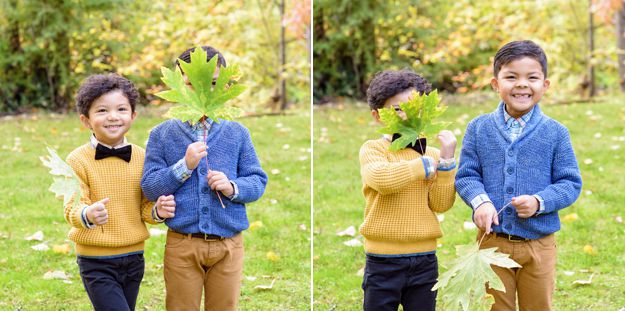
x: 419, y: 145
x: 102, y: 152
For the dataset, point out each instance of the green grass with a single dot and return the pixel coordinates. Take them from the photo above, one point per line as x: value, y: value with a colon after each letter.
x: 338, y: 133
x: 26, y: 206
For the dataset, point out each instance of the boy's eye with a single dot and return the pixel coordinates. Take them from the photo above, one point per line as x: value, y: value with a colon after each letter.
x: 123, y: 109
x: 101, y: 110
x: 509, y: 77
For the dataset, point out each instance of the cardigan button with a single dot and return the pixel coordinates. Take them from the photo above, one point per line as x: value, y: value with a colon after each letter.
x: 205, y: 190
x: 203, y: 171
x: 510, y: 170
x: 509, y: 190
x: 511, y: 153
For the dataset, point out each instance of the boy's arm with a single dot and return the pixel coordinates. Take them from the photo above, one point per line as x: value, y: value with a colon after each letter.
x: 75, y: 214
x: 469, y: 184
x: 384, y: 176
x: 148, y: 211
x: 566, y: 181
x: 442, y: 193
x: 158, y: 177
x: 251, y: 179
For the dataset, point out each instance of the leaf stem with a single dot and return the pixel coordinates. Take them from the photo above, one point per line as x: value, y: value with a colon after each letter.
x: 501, y: 210
x: 208, y: 168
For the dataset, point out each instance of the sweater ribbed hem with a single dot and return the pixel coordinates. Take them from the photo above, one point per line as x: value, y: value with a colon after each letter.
x: 100, y: 251
x: 395, y: 247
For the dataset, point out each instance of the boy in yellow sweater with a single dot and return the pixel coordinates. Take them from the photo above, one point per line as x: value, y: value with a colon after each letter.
x: 403, y: 191
x: 110, y: 258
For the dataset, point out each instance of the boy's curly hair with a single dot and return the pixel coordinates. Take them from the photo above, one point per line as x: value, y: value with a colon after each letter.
x: 519, y: 49
x: 389, y: 83
x: 210, y: 53
x: 95, y: 86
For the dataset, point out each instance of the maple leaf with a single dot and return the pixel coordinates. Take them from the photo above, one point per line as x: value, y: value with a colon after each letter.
x: 67, y: 185
x: 421, y: 111
x: 204, y: 98
x: 463, y: 285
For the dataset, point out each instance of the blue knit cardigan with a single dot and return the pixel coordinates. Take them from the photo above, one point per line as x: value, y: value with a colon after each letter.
x: 230, y: 150
x: 540, y: 161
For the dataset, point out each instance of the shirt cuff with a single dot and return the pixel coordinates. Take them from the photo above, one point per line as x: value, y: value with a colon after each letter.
x: 479, y: 200
x: 428, y: 165
x: 541, y: 207
x: 85, y: 221
x: 236, y: 190
x: 446, y: 164
x: 155, y: 215
x: 181, y: 171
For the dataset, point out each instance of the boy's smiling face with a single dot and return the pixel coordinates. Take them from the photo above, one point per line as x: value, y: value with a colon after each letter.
x: 520, y: 84
x: 110, y: 117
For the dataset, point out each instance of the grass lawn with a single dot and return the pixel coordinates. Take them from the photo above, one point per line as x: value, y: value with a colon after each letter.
x: 281, y: 217
x: 594, y: 221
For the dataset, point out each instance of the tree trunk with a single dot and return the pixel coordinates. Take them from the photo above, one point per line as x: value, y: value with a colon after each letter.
x: 620, y: 35
x: 591, y: 44
x: 283, y: 101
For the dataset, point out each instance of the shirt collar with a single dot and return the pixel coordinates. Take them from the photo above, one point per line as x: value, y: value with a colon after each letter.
x: 94, y: 143
x: 508, y: 119
x: 206, y: 123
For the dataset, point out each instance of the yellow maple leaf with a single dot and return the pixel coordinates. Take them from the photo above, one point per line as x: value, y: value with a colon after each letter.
x: 272, y: 256
x: 588, y: 249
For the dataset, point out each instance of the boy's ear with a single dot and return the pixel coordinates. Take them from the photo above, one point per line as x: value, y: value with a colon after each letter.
x: 85, y: 121
x: 133, y: 116
x: 547, y: 83
x: 494, y: 84
x: 376, y: 115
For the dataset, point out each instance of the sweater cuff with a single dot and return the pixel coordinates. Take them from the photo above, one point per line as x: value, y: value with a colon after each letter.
x: 446, y: 176
x: 84, y: 220
x: 479, y: 200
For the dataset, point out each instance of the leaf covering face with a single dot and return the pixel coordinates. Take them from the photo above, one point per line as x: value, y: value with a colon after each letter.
x: 421, y: 111
x: 204, y: 99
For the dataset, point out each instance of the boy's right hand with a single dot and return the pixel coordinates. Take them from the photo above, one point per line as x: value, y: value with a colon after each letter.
x: 166, y: 206
x: 448, y: 144
x: 195, y: 152
x: 97, y: 213
x: 485, y: 215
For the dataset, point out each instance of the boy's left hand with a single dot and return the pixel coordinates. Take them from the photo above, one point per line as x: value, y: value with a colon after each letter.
x: 448, y: 144
x: 220, y: 182
x: 526, y: 205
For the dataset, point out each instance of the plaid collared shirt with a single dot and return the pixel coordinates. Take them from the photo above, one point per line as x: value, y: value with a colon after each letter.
x: 514, y: 127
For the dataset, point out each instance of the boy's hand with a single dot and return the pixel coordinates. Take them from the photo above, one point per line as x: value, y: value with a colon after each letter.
x: 448, y: 144
x: 526, y: 205
x: 485, y: 215
x: 218, y: 181
x: 166, y: 206
x: 195, y: 152
x: 97, y: 213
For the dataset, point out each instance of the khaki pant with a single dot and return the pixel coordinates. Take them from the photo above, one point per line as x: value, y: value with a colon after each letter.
x: 192, y: 264
x: 534, y: 283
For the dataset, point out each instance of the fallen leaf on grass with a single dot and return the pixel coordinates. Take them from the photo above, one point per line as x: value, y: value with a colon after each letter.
x: 618, y: 219
x: 440, y: 217
x: 251, y: 278
x: 272, y: 256
x: 37, y: 236
x: 302, y: 227
x: 361, y: 272
x: 265, y: 287
x: 350, y: 231
x: 584, y: 282
x: 569, y: 273
x: 275, y: 171
x: 157, y: 232
x: 588, y: 249
x: 256, y: 224
x: 353, y: 243
x: 56, y: 274
x: 40, y: 247
x: 570, y: 218
x: 273, y: 201
x: 469, y: 225
x: 61, y: 249
x: 588, y: 161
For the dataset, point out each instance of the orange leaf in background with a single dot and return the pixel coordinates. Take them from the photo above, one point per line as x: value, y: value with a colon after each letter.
x: 61, y: 249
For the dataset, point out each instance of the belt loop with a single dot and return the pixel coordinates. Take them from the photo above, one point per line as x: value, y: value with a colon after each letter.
x: 189, y: 236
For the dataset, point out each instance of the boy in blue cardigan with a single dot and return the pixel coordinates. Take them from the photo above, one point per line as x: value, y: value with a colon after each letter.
x: 204, y: 248
x: 517, y: 170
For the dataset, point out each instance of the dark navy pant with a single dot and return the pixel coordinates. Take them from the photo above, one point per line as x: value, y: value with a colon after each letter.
x: 112, y: 284
x: 389, y: 282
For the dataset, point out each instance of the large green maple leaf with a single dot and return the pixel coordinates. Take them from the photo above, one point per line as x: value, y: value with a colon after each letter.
x: 463, y: 286
x: 204, y: 98
x: 421, y: 112
x: 67, y: 184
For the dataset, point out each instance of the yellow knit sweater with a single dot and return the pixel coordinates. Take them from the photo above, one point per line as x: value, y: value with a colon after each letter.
x: 401, y: 204
x: 127, y: 208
